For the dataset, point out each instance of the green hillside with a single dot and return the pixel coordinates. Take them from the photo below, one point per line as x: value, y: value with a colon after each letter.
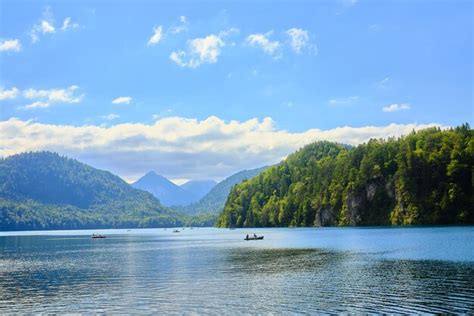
x: 214, y: 201
x: 425, y: 177
x: 43, y: 190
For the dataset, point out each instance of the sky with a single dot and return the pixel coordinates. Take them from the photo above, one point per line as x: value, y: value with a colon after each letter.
x: 204, y: 89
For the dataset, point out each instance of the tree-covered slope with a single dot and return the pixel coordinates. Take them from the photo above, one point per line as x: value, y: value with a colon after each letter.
x: 213, y: 202
x: 43, y: 190
x: 425, y: 177
x: 199, y: 188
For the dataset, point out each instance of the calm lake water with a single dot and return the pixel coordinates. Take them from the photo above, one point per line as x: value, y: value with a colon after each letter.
x: 215, y: 271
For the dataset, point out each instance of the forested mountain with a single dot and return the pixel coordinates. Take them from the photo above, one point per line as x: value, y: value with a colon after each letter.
x: 213, y: 202
x: 425, y: 177
x: 43, y: 190
x: 164, y: 190
x: 199, y: 188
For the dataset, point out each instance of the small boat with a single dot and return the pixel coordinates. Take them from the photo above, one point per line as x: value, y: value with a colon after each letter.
x: 253, y: 238
x: 175, y: 231
x: 95, y: 236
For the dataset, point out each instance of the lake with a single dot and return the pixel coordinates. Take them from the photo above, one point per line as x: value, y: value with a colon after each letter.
x: 208, y: 270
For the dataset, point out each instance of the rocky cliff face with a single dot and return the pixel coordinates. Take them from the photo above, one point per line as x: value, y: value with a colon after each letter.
x: 353, y: 212
x: 325, y: 217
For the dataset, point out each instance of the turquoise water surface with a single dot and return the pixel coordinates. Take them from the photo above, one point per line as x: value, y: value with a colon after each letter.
x: 208, y: 270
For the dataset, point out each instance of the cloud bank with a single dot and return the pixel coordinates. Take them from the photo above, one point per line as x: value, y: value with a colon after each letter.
x: 177, y: 147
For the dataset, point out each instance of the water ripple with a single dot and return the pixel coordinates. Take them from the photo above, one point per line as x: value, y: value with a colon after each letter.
x: 202, y: 275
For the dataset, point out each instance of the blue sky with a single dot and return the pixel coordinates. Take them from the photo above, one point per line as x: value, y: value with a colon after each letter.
x: 305, y: 65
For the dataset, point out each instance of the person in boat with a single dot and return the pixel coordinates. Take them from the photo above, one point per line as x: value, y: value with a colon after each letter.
x: 247, y: 237
x: 254, y: 235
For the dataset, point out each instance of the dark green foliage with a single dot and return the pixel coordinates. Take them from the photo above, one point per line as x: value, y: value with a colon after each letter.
x: 202, y: 220
x: 43, y: 190
x: 425, y: 177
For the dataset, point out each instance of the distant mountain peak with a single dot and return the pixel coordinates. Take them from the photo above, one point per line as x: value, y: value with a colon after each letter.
x: 51, y: 191
x: 152, y: 174
x: 165, y: 190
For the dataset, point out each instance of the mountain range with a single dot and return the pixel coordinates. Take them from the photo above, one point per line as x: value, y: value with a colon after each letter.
x: 213, y: 202
x: 43, y: 190
x: 171, y: 194
x: 424, y: 178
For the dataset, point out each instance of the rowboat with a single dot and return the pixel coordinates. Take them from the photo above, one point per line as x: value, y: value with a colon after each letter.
x: 94, y: 236
x: 254, y: 238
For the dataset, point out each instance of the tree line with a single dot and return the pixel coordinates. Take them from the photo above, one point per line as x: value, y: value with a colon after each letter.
x: 424, y: 178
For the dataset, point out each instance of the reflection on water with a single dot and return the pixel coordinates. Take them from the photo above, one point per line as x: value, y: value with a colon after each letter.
x: 214, y: 271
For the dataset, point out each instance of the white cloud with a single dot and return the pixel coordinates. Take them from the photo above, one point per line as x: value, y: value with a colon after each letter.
x: 177, y: 147
x: 122, y: 100
x: 157, y: 35
x: 178, y: 57
x: 263, y: 41
x: 54, y: 95
x: 182, y: 27
x: 43, y: 98
x: 46, y: 26
x: 207, y: 48
x: 396, y: 107
x: 12, y: 45
x: 67, y: 24
x: 35, y: 105
x: 200, y: 50
x: 299, y: 39
x: 344, y: 101
x: 110, y: 117
x: 8, y: 94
